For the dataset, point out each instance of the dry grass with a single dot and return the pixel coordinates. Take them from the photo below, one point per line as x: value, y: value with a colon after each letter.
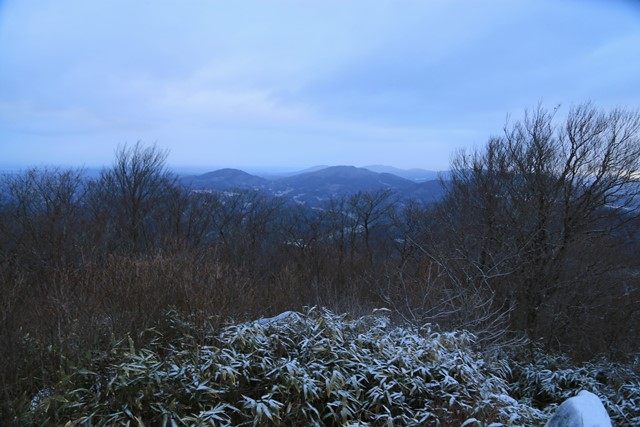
x: 54, y: 321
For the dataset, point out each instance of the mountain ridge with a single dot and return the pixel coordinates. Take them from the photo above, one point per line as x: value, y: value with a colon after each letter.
x: 413, y: 174
x: 318, y: 185
x: 223, y: 179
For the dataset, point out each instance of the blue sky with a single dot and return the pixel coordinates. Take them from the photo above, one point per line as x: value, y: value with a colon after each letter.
x: 276, y: 83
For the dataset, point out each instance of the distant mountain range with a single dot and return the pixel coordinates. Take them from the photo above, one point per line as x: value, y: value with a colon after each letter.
x: 316, y: 185
x: 418, y: 175
x: 415, y: 174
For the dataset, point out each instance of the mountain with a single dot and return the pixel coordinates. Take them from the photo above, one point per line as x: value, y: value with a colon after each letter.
x: 277, y: 175
x: 224, y: 179
x: 318, y: 184
x: 427, y: 191
x: 311, y: 169
x: 312, y: 187
x: 415, y: 174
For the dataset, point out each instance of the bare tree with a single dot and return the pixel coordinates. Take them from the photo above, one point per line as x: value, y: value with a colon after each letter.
x: 523, y: 209
x: 132, y: 191
x: 370, y: 209
x: 43, y: 210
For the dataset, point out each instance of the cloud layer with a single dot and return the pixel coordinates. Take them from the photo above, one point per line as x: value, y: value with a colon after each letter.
x: 298, y: 83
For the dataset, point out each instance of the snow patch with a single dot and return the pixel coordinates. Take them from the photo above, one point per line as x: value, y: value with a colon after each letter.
x: 280, y: 317
x: 583, y: 410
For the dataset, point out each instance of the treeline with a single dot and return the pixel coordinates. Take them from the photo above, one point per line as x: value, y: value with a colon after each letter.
x: 537, y: 239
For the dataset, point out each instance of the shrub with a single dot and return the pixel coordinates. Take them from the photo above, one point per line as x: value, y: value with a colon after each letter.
x: 310, y: 368
x: 550, y: 379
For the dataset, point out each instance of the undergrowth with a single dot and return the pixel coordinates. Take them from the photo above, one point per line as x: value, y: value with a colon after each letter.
x: 319, y: 368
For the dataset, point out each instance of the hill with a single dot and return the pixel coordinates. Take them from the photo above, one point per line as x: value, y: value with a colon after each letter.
x: 337, y: 181
x: 427, y: 191
x: 415, y: 174
x: 318, y: 184
x: 224, y: 179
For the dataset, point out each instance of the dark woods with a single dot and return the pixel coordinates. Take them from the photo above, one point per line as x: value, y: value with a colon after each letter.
x: 538, y: 236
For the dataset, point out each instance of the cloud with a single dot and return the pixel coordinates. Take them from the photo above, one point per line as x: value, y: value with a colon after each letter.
x: 330, y: 81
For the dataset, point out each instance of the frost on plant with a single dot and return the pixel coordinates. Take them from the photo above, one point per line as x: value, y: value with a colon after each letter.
x: 311, y: 368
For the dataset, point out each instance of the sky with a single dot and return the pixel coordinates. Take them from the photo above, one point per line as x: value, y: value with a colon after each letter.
x: 292, y: 84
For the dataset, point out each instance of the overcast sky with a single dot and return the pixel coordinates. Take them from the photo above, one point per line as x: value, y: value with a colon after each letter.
x: 300, y: 83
